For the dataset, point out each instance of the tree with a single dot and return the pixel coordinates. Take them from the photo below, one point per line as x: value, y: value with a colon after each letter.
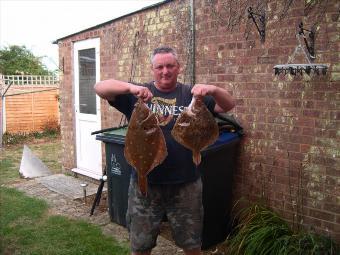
x: 20, y: 60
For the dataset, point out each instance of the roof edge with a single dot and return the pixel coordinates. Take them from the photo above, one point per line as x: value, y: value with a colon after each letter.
x: 112, y: 20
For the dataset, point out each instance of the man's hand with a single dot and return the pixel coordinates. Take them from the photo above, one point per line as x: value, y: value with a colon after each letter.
x: 203, y: 90
x: 140, y: 92
x: 224, y: 101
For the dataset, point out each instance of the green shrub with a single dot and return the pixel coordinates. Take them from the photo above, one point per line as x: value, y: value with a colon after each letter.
x: 260, y: 231
x: 51, y: 127
x: 16, y: 138
x: 20, y: 138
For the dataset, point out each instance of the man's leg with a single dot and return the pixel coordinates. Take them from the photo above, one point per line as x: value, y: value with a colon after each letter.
x: 193, y: 252
x: 143, y: 218
x: 185, y: 214
x: 141, y: 253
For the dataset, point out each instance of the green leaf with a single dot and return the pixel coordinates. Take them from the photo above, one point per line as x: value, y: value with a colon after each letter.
x: 16, y: 59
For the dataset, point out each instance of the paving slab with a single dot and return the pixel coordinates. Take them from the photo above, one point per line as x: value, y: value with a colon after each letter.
x: 68, y: 186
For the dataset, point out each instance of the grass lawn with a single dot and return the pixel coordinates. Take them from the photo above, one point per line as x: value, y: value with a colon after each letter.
x: 25, y: 226
x: 48, y: 150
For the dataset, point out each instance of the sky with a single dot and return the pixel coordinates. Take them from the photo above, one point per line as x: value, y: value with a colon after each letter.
x: 36, y: 24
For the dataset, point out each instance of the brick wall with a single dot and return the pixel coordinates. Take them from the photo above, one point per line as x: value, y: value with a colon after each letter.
x: 290, y: 153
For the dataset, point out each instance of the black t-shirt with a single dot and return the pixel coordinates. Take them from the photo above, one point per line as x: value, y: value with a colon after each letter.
x: 178, y: 167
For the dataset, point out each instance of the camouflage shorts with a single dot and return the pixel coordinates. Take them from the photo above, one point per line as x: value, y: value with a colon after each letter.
x: 181, y: 203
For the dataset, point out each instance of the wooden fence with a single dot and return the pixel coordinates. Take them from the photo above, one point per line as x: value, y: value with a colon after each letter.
x: 29, y: 103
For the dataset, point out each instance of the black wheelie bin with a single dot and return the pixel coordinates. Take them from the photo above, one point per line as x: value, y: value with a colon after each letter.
x: 118, y: 173
x: 217, y: 167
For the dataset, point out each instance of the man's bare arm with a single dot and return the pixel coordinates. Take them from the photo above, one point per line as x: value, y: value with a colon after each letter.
x: 109, y: 89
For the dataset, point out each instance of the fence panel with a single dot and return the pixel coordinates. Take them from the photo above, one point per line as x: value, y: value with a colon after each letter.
x: 31, y: 103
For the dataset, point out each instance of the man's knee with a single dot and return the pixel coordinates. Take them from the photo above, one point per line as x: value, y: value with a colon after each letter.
x: 141, y: 253
x: 196, y: 251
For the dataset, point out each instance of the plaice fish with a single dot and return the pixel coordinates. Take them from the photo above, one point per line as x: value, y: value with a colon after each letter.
x: 195, y: 128
x: 145, y: 146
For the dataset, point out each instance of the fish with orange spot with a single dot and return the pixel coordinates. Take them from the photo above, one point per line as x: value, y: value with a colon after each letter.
x: 195, y: 128
x: 145, y: 146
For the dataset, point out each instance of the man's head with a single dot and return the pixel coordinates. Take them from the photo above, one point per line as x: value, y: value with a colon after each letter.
x: 165, y: 68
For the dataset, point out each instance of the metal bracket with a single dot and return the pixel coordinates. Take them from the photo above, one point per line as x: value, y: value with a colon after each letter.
x: 295, y: 69
x: 310, y: 45
x: 262, y: 22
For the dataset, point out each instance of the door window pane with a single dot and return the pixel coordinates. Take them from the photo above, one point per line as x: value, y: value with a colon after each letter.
x: 87, y: 79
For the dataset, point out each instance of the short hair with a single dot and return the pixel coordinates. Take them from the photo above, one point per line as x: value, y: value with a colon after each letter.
x: 163, y: 50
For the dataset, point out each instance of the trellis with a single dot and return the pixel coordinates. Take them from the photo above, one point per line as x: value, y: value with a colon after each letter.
x: 29, y: 79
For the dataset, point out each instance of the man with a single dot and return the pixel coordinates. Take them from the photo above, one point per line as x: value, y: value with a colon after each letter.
x: 174, y: 187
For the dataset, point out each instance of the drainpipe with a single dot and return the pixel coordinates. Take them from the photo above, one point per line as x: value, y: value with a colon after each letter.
x: 192, y: 31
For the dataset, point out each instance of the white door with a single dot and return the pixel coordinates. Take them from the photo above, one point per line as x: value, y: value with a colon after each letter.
x: 87, y: 107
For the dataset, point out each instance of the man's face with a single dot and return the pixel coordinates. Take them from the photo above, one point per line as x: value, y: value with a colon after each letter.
x: 165, y: 70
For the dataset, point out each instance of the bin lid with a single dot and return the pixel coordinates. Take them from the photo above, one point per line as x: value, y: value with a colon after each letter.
x: 118, y: 136
x: 113, y: 136
x: 226, y: 137
x: 223, y: 139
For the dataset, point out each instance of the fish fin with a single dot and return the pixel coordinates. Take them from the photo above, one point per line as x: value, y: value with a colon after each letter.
x: 163, y: 121
x: 191, y: 113
x: 142, y: 184
x: 151, y: 115
x: 193, y: 101
x: 184, y: 124
x: 150, y: 131
x: 190, y: 109
x: 196, y: 157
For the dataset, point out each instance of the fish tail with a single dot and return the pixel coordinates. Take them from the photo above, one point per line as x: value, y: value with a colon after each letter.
x: 196, y: 157
x: 142, y: 184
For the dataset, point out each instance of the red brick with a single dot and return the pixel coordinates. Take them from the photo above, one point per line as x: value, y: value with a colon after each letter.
x: 311, y: 221
x: 335, y: 115
x: 225, y: 77
x: 267, y: 60
x: 332, y: 207
x: 338, y: 219
x: 332, y: 171
x: 322, y: 215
